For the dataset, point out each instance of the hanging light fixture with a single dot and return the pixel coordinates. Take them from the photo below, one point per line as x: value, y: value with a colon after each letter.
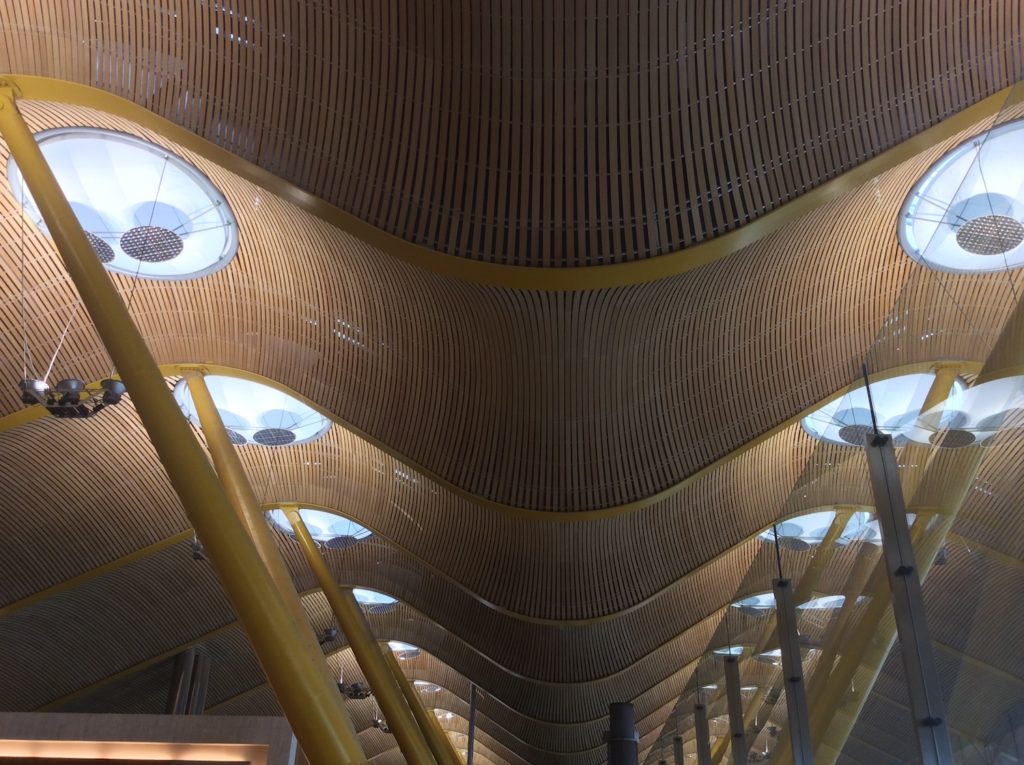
x: 71, y: 397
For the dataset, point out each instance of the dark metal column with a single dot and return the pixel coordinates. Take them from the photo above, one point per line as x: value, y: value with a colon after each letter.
x: 792, y: 671
x: 622, y: 738
x: 177, y: 696
x: 735, y: 699
x: 200, y: 682
x: 472, y: 725
x: 700, y: 725
x: 908, y: 604
x: 677, y: 750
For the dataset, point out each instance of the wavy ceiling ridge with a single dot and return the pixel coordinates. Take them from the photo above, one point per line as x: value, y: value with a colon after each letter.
x: 558, y: 488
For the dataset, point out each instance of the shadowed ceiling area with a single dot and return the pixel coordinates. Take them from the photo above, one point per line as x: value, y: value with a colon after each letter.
x: 565, y: 485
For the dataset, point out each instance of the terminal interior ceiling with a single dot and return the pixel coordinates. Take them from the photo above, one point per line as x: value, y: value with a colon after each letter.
x: 544, y: 314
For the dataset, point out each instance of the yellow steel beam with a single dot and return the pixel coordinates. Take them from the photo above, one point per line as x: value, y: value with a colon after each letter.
x: 56, y: 704
x: 440, y: 745
x: 313, y: 706
x: 357, y: 630
x: 106, y: 568
x: 243, y: 500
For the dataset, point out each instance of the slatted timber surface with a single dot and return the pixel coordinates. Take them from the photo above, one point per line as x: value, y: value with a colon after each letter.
x: 541, y: 134
x: 519, y: 693
x: 504, y: 394
x: 557, y: 401
x: 972, y: 627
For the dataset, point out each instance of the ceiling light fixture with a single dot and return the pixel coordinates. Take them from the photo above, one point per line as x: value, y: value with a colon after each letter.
x: 71, y: 397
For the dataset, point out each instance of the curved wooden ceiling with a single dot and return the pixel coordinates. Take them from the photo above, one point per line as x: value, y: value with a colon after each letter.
x: 580, y: 470
x: 537, y: 134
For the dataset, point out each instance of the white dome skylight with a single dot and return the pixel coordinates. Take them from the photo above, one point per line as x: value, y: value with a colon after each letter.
x: 897, y: 400
x: 729, y: 650
x: 145, y: 211
x: 403, y: 650
x: 425, y: 686
x: 374, y: 602
x: 810, y: 529
x: 756, y: 604
x: 254, y: 413
x: 967, y: 212
x: 763, y: 602
x: 973, y: 415
x: 331, y: 530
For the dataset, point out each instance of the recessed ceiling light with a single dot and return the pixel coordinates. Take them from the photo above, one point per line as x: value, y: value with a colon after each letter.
x: 847, y: 419
x: 967, y: 211
x: 146, y: 211
x: 254, y: 413
x: 333, y: 531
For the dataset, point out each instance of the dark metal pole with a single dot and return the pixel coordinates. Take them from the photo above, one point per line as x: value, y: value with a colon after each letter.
x: 700, y: 725
x: 735, y: 699
x: 472, y: 725
x: 677, y: 750
x: 200, y: 682
x: 908, y: 604
x: 793, y: 674
x: 623, y: 741
x: 177, y: 696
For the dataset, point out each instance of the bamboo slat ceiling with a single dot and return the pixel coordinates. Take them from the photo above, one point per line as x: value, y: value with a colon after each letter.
x: 537, y: 133
x: 564, y: 487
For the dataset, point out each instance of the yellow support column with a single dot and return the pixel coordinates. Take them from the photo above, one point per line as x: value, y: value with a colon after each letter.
x: 353, y: 623
x: 247, y: 507
x: 243, y: 499
x: 312, y: 704
x: 439, y: 743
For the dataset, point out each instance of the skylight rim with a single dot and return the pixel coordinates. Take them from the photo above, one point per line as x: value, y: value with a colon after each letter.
x: 201, y: 184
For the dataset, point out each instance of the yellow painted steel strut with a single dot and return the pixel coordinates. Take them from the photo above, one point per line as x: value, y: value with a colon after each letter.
x: 247, y: 507
x: 311, y: 703
x: 439, y: 743
x: 353, y: 623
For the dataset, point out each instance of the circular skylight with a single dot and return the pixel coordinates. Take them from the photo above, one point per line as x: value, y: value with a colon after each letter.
x: 967, y: 213
x: 254, y: 413
x: 426, y: 687
x: 331, y: 530
x: 763, y: 602
x: 145, y: 211
x: 729, y: 650
x: 374, y: 602
x: 973, y: 415
x: 805, y: 530
x: 897, y: 400
x: 403, y: 650
x: 756, y: 604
